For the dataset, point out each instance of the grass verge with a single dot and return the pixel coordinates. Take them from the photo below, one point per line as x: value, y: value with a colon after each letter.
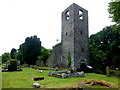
x: 23, y: 79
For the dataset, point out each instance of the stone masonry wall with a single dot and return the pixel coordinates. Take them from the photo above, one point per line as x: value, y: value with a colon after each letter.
x: 74, y: 39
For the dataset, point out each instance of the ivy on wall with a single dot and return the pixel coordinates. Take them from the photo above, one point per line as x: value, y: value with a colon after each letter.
x: 69, y: 59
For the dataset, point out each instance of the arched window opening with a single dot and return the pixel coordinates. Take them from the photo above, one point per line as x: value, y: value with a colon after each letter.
x: 80, y: 14
x: 66, y: 33
x: 67, y: 13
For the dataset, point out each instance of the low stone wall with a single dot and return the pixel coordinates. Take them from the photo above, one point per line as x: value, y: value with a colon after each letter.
x: 65, y: 74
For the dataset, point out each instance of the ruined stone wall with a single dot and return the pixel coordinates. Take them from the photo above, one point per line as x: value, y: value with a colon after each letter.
x: 81, y: 49
x: 74, y: 39
x: 67, y: 35
x: 55, y: 58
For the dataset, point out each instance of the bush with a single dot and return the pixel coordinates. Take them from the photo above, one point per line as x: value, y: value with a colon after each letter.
x: 13, y: 62
x: 13, y: 65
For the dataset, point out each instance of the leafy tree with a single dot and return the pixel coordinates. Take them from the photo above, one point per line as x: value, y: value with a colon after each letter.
x: 45, y: 53
x: 12, y: 53
x: 105, y: 49
x: 18, y: 55
x: 5, y: 57
x: 0, y: 60
x: 114, y: 11
x: 97, y: 59
x: 31, y: 49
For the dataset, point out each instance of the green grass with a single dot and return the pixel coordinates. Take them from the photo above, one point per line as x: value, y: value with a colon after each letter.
x: 46, y: 68
x: 115, y: 72
x: 0, y: 77
x: 23, y: 79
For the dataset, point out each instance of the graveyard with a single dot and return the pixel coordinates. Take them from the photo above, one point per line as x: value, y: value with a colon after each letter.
x: 25, y: 79
x: 77, y: 62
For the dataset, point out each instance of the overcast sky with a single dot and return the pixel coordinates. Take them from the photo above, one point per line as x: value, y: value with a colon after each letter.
x: 24, y: 18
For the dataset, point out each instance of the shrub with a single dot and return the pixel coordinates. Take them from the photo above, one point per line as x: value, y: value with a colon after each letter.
x: 13, y: 62
x: 13, y: 65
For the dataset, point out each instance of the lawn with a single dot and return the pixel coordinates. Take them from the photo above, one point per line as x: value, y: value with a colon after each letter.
x: 0, y: 77
x: 23, y: 79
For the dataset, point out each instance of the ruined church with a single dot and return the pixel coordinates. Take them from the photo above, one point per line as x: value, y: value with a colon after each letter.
x: 73, y: 50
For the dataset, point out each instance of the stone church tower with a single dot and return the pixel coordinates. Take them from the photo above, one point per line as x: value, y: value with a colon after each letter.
x: 74, y: 39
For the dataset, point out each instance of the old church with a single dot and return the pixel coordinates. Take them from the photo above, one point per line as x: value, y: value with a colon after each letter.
x: 73, y: 50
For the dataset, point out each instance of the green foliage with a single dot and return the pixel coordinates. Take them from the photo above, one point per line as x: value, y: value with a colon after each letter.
x: 114, y: 72
x: 13, y: 65
x: 31, y: 50
x: 5, y: 57
x: 107, y: 71
x: 104, y: 49
x: 114, y: 11
x: 99, y: 57
x: 12, y: 53
x: 45, y: 53
x: 69, y: 58
x: 0, y: 60
x: 13, y: 62
x: 18, y: 55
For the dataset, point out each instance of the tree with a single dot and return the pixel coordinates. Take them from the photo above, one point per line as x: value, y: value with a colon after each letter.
x: 97, y: 59
x: 114, y: 11
x: 104, y: 49
x: 12, y: 53
x: 45, y: 53
x: 5, y: 57
x: 31, y: 49
x: 0, y: 60
x: 18, y: 55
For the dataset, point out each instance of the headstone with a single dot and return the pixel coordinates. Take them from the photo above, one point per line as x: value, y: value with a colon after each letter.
x: 36, y: 85
x: 77, y: 74
x: 40, y: 71
x: 56, y: 68
x: 68, y: 72
x: 49, y: 73
x: 63, y: 75
x: 18, y: 63
x: 81, y: 74
x: 74, y: 69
